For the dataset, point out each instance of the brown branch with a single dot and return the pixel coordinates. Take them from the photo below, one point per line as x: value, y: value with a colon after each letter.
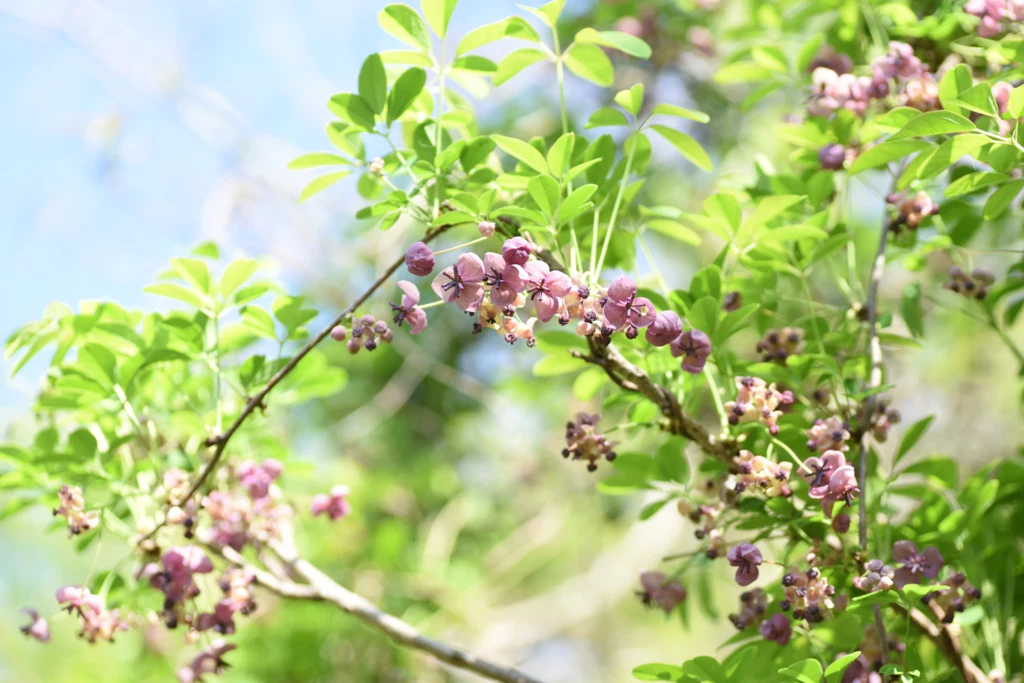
x: 320, y: 587
x: 947, y: 643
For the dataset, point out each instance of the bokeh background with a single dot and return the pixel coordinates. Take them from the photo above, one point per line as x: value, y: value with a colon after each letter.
x: 131, y: 131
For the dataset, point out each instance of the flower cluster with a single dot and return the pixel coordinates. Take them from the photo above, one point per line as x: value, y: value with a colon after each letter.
x: 584, y: 442
x: 72, y: 506
x: 992, y: 13
x: 808, y: 594
x: 237, y: 585
x: 778, y: 345
x: 98, y: 623
x: 705, y: 516
x: 236, y: 517
x: 334, y: 504
x: 955, y: 595
x: 753, y: 605
x: 910, y: 211
x: 831, y: 480
x: 877, y: 577
x: 175, y: 578
x: 882, y: 419
x: 658, y: 591
x: 366, y: 332
x: 757, y: 402
x: 973, y: 285
x: 828, y: 435
x: 762, y: 474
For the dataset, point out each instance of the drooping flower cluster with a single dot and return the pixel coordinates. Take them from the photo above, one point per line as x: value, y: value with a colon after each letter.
x: 746, y: 558
x: 584, y: 442
x: 973, y: 285
x: 882, y: 419
x: 237, y: 585
x: 877, y: 577
x: 828, y: 435
x: 98, y: 623
x: 757, y: 402
x: 808, y: 594
x: 954, y: 595
x: 334, y: 504
x: 778, y: 345
x: 705, y: 516
x: 72, y: 506
x: 367, y: 332
x: 753, y: 605
x: 237, y: 517
x: 759, y: 473
x: 175, y: 578
x: 992, y: 14
x: 658, y: 591
x: 209, y: 660
x: 910, y: 211
x: 831, y: 480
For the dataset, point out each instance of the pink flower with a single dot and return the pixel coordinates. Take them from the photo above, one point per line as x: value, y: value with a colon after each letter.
x: 507, y: 280
x: 210, y: 660
x: 259, y: 477
x: 37, y: 627
x: 665, y: 329
x: 185, y: 561
x: 746, y: 558
x: 776, y: 628
x: 335, y: 504
x: 818, y: 471
x: 842, y: 486
x: 916, y: 564
x: 79, y: 598
x: 516, y: 251
x: 625, y: 309
x: 461, y: 283
x: 546, y: 288
x: 657, y: 590
x: 409, y: 310
x: 695, y: 347
x: 486, y: 228
x: 419, y: 259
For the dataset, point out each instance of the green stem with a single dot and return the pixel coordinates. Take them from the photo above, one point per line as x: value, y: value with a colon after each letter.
x: 716, y: 396
x: 460, y: 246
x: 654, y: 267
x: 439, y: 131
x: 1010, y: 344
x: 615, y: 209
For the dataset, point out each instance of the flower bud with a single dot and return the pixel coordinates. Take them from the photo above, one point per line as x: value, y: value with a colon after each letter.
x: 419, y: 259
x: 338, y: 333
x: 486, y: 228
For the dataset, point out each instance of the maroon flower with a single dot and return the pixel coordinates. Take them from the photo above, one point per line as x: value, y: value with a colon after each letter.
x: 665, y: 329
x: 660, y: 592
x: 461, y: 283
x: 516, y: 251
x: 831, y: 157
x: 419, y: 259
x: 694, y: 347
x: 37, y: 627
x: 409, y: 311
x: 746, y: 558
x: 335, y: 504
x: 546, y: 288
x: 916, y: 564
x: 507, y: 280
x: 210, y: 660
x: 777, y: 628
x: 625, y: 309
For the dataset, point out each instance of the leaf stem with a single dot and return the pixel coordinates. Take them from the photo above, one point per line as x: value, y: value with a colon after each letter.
x: 615, y: 208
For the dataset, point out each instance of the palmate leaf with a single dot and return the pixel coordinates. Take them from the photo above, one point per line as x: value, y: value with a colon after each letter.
x: 405, y: 91
x: 687, y: 146
x: 373, y: 83
x: 438, y: 13
x: 617, y: 40
x: 516, y: 61
x: 590, y: 62
x: 404, y: 23
x: 512, y: 27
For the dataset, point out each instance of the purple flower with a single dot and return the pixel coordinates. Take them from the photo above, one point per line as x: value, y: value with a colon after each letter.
x: 185, y: 561
x: 842, y: 486
x: 817, y: 471
x: 461, y: 283
x: 335, y: 504
x: 37, y: 627
x: 79, y: 598
x: 831, y: 157
x: 507, y: 280
x: 546, y: 288
x: 776, y: 628
x: 625, y: 309
x: 210, y: 660
x: 657, y: 590
x: 516, y: 251
x: 419, y: 259
x: 695, y: 347
x: 746, y: 558
x: 916, y: 564
x: 258, y: 478
x: 665, y: 328
x: 409, y: 311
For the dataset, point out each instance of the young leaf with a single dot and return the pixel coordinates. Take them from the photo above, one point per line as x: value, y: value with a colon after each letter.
x: 911, y: 437
x: 404, y: 23
x: 953, y: 82
x: 438, y: 13
x: 675, y: 230
x: 522, y: 151
x: 405, y: 91
x: 575, y: 203
x: 544, y: 190
x: 512, y: 27
x: 617, y: 40
x: 978, y: 99
x: 590, y: 62
x: 834, y: 672
x: 1001, y: 199
x: 606, y: 116
x: 1015, y: 106
x: 806, y: 671
x: 237, y: 272
x: 680, y: 112
x: 354, y: 109
x: 193, y: 271
x: 687, y: 146
x: 631, y: 100
x: 322, y: 183
x: 934, y: 123
x: 973, y: 182
x: 373, y: 83
x: 475, y: 63
x: 560, y: 154
x: 178, y: 292
x: 911, y: 309
x: 516, y: 61
x: 547, y: 13
x: 318, y: 159
x: 885, y: 152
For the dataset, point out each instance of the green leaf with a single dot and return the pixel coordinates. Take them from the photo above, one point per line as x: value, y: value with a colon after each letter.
x: 631, y: 100
x: 1001, y: 199
x: 911, y: 309
x: 178, y: 292
x: 767, y: 210
x: 671, y: 461
x: 658, y: 672
x: 953, y: 82
x: 674, y: 229
x: 885, y: 152
x: 1015, y: 106
x: 978, y: 99
x: 938, y: 161
x: 770, y: 57
x: 404, y: 23
x: 741, y: 72
x: 590, y: 62
x: 680, y: 112
x: 560, y: 154
x: 476, y: 152
x: 705, y: 669
x: 687, y: 146
x: 834, y: 672
x: 617, y: 40
x: 353, y: 109
x: 237, y: 272
x: 547, y: 13
x: 438, y: 13
x: 560, y: 364
x: 934, y: 123
x: 791, y: 233
x: 512, y: 27
x: 806, y: 671
x: 318, y: 159
x: 405, y: 91
x: 973, y: 182
x: 606, y: 116
x: 522, y: 151
x: 911, y: 437
x: 259, y: 322
x: 373, y: 83
x: 322, y: 183
x: 407, y: 58
x: 346, y: 140
x: 515, y: 62
x: 475, y: 63
x: 703, y: 315
x: 575, y: 203
x: 897, y: 118
x: 193, y: 271
x: 545, y: 191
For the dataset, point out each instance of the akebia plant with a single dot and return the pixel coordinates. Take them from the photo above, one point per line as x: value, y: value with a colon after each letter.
x: 153, y: 427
